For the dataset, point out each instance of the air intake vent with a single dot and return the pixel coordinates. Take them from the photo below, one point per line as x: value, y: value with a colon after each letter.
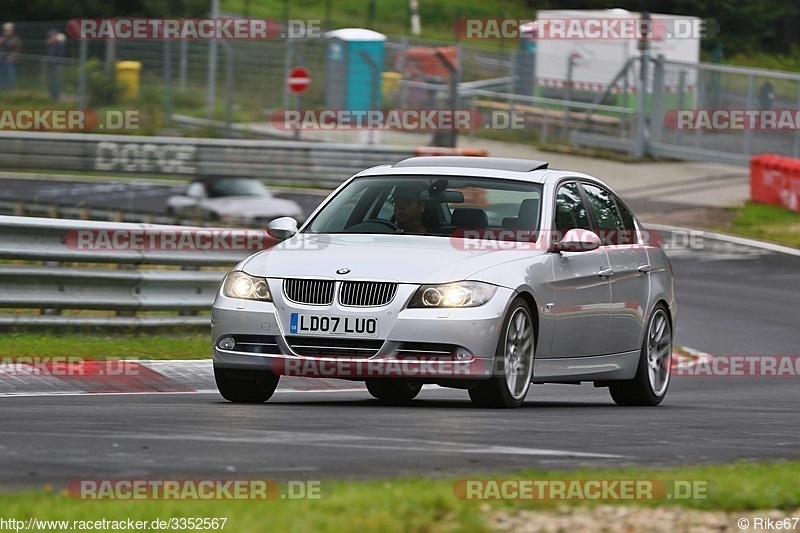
x: 327, y: 347
x: 309, y: 291
x: 366, y: 293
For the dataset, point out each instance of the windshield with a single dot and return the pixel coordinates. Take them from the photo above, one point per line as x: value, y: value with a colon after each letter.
x: 431, y: 205
x: 235, y: 187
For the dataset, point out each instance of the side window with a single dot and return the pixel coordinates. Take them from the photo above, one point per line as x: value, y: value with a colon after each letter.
x: 604, y: 209
x: 570, y: 210
x: 629, y: 236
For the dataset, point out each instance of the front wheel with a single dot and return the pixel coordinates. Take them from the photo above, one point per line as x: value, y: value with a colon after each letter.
x: 240, y: 386
x: 649, y: 387
x: 395, y: 391
x: 513, y: 365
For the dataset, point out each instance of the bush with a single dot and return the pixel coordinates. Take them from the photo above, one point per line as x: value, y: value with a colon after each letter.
x: 102, y: 91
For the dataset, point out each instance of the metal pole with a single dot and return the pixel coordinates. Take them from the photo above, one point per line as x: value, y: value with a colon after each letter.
x: 373, y: 94
x: 751, y: 90
x: 228, y: 89
x: 568, y: 94
x: 212, y: 66
x: 168, y: 81
x: 641, y: 116
x: 645, y: 26
x: 682, y: 89
x: 657, y: 100
x: 184, y: 64
x: 700, y: 103
x: 288, y: 58
x: 111, y: 53
x: 403, y: 58
x: 84, y: 52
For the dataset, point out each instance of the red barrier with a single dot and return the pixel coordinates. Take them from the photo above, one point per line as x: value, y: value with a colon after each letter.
x: 442, y: 150
x: 775, y: 180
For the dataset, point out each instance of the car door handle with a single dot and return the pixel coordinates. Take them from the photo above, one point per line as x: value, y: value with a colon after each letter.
x: 644, y: 268
x: 606, y: 272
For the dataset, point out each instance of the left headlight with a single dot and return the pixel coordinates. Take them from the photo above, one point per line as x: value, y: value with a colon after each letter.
x: 240, y: 285
x: 460, y: 294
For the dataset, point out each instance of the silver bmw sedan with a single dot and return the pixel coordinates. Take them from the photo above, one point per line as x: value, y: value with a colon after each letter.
x: 483, y: 274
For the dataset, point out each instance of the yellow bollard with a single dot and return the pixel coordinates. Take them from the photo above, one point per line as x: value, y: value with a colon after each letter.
x: 128, y: 76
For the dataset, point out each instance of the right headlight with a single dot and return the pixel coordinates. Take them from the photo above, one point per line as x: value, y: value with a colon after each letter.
x: 459, y: 294
x: 243, y: 286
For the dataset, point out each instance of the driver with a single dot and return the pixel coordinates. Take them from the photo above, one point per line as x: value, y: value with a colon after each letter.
x: 408, y: 209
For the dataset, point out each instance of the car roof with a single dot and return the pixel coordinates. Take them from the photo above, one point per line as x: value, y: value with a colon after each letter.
x: 530, y: 170
x: 493, y: 163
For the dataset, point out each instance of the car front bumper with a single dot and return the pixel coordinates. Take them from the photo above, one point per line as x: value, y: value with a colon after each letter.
x: 470, y: 333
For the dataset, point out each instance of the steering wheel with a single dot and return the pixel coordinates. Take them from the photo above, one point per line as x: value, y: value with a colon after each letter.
x: 373, y: 225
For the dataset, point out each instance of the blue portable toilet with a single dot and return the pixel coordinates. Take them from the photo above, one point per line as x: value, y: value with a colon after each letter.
x: 355, y: 65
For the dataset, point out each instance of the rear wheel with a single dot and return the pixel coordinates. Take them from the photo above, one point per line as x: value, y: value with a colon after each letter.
x: 396, y: 391
x: 649, y: 387
x: 245, y: 386
x: 513, y: 365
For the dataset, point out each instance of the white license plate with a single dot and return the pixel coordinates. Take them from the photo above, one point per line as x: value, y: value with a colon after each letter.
x: 306, y: 324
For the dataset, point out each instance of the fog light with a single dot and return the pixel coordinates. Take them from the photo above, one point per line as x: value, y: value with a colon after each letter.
x: 463, y: 354
x: 226, y: 343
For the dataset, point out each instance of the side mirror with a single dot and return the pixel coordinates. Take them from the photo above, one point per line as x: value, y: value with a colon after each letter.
x: 283, y: 227
x: 577, y: 240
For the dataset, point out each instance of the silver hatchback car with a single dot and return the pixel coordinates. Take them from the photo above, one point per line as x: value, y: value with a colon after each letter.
x: 484, y: 274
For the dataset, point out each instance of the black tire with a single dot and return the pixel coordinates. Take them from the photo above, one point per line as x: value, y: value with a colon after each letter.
x: 395, y: 391
x: 639, y: 391
x: 495, y: 392
x: 241, y: 386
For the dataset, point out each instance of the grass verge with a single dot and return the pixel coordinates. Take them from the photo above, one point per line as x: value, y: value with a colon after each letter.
x: 115, y: 346
x: 419, y: 504
x: 767, y: 223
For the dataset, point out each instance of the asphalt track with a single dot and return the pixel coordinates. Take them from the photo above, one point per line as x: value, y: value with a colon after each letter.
x: 725, y: 297
x: 732, y: 300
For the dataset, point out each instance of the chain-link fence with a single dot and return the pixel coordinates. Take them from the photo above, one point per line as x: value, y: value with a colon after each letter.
x: 558, y: 104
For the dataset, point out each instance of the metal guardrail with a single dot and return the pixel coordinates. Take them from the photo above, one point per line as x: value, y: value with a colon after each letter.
x: 311, y: 163
x: 66, y: 277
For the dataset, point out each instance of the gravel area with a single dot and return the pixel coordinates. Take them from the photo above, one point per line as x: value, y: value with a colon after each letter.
x: 619, y: 518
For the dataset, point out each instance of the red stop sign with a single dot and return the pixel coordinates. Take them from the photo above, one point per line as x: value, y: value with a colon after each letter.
x: 298, y: 80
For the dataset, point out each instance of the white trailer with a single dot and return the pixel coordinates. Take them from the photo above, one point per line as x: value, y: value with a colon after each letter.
x: 598, y: 60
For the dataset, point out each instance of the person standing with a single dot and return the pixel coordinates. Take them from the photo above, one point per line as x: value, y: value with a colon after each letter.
x: 10, y: 48
x: 56, y: 43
